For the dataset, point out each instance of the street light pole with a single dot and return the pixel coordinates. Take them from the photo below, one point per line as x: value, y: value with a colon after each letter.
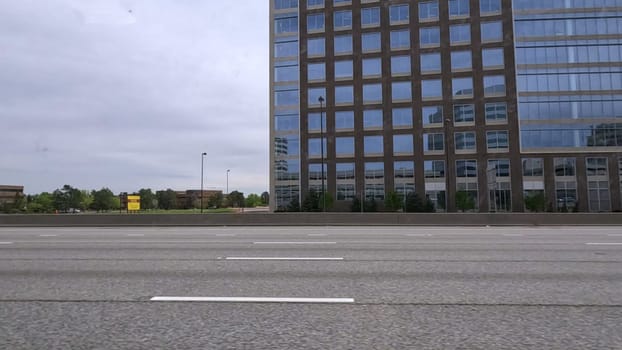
x: 228, y: 181
x: 321, y: 100
x: 202, y: 157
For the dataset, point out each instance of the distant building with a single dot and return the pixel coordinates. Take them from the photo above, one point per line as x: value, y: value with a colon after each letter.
x: 9, y: 193
x: 499, y: 100
x: 192, y: 198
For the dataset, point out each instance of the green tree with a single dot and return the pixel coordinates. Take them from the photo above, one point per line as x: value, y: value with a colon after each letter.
x: 86, y: 199
x: 253, y: 200
x: 41, y: 203
x: 370, y: 206
x: 148, y: 199
x: 68, y: 198
x: 166, y: 199
x: 328, y: 202
x: 236, y: 199
x: 215, y: 201
x: 311, y: 202
x: 414, y: 204
x: 393, y: 201
x: 293, y: 206
x: 464, y: 201
x: 535, y: 202
x: 103, y: 200
x: 265, y: 198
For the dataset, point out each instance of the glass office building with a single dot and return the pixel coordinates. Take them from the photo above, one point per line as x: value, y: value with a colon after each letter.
x: 499, y: 102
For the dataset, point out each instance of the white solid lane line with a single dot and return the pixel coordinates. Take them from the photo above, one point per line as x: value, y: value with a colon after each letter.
x: 418, y: 235
x: 48, y: 235
x: 282, y: 258
x: 225, y: 235
x: 256, y: 300
x: 302, y: 242
x: 135, y: 234
x: 317, y: 234
x: 604, y: 243
x: 615, y: 235
x: 513, y: 235
x: 6, y: 243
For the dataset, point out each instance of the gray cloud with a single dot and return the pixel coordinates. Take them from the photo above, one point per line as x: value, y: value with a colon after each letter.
x: 127, y: 94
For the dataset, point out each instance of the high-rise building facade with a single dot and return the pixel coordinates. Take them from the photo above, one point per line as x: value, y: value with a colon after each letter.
x: 492, y: 103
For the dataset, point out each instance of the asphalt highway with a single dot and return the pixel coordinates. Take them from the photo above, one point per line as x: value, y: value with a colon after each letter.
x: 311, y: 288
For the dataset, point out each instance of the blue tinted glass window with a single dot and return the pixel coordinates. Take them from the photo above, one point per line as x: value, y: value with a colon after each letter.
x: 434, y: 169
x: 343, y: 44
x: 461, y: 60
x: 316, y: 47
x: 460, y: 34
x: 400, y: 39
x: 432, y: 115
x: 373, y: 145
x: 403, y: 144
x: 285, y: 4
x: 372, y: 119
x: 288, y: 145
x: 314, y: 94
x: 492, y: 58
x: 314, y: 121
x: 464, y: 113
x: 428, y: 10
x: 345, y: 171
x: 315, y: 22
x: 496, y: 111
x: 465, y: 140
x: 430, y: 36
x: 374, y: 170
x: 402, y: 117
x: 343, y: 19
x: 370, y: 16
x: 458, y: 8
x: 286, y: 98
x: 344, y: 145
x: 287, y: 170
x: 344, y: 94
x: 400, y: 65
x: 286, y: 25
x: 494, y: 85
x: 344, y: 120
x: 399, y: 13
x: 287, y: 122
x: 462, y: 87
x: 316, y: 71
x: 466, y: 168
x: 343, y: 69
x: 492, y: 31
x: 433, y: 142
x: 370, y: 42
x: 431, y: 88
x: 287, y: 73
x: 315, y: 3
x: 286, y: 49
x: 401, y: 91
x: 315, y: 147
x: 372, y: 67
x: 430, y: 62
x: 372, y: 93
x: 497, y: 139
x: 490, y: 6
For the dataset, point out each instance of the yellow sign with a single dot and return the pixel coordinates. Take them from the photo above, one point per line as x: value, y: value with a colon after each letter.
x: 133, y: 203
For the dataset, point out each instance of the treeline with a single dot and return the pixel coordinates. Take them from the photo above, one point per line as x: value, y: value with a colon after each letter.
x: 69, y: 199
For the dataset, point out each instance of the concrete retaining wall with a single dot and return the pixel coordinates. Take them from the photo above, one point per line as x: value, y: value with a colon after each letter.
x: 313, y: 219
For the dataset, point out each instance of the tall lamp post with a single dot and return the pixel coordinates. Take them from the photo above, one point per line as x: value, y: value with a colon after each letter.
x: 202, y: 158
x: 228, y: 181
x: 321, y: 100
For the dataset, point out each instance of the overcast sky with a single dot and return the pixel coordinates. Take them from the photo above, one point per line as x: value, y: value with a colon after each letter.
x: 126, y: 94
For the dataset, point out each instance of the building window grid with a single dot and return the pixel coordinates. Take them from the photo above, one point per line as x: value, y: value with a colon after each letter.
x: 459, y: 8
x: 497, y: 140
x: 433, y: 142
x: 599, y: 196
x: 370, y: 16
x: 465, y: 141
x: 399, y: 14
x: 496, y: 112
